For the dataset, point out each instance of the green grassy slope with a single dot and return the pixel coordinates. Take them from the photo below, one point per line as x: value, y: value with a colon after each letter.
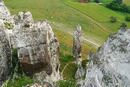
x: 127, y: 2
x: 99, y: 13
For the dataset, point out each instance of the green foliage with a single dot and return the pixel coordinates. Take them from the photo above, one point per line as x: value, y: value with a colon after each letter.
x: 113, y: 19
x: 26, y: 25
x: 70, y: 71
x: 19, y: 82
x: 65, y: 47
x: 118, y: 1
x: 67, y: 83
x: 15, y: 63
x: 64, y: 59
x: 8, y: 25
x: 127, y: 18
x: 123, y: 25
x: 84, y: 62
x: 97, y: 1
x: 118, y: 6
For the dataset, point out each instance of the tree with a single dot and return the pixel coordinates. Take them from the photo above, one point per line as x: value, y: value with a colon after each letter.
x: 113, y: 19
x: 97, y: 1
x: 118, y: 1
x: 127, y: 18
x: 118, y: 5
x: 123, y: 25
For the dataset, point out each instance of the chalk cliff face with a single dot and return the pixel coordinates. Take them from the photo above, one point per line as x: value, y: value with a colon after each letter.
x: 110, y: 67
x: 37, y: 47
x: 5, y: 13
x: 5, y: 55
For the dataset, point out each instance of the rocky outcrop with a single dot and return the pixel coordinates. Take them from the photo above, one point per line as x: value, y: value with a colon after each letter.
x: 25, y: 17
x: 80, y: 73
x: 110, y: 67
x: 38, y: 49
x: 5, y: 13
x: 5, y: 55
x: 77, y: 43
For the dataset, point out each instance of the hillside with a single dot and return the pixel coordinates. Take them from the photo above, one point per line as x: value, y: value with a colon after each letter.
x: 64, y: 16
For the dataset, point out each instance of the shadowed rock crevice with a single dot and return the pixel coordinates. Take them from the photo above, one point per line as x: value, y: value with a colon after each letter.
x: 5, y: 58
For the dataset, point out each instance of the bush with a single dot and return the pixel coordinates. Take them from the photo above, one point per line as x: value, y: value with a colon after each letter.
x: 118, y: 6
x: 123, y: 25
x: 97, y: 1
x: 113, y: 19
x: 127, y: 18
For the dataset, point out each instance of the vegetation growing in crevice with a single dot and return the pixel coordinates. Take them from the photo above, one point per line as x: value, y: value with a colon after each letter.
x: 64, y: 59
x: 16, y: 67
x: 84, y: 63
x: 8, y: 25
x: 19, y: 82
x: 70, y: 71
x: 67, y: 83
x: 26, y: 25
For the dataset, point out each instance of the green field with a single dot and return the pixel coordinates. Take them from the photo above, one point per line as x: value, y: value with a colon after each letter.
x: 127, y: 2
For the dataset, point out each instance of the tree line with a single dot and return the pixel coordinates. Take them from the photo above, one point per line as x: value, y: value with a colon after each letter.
x: 118, y: 5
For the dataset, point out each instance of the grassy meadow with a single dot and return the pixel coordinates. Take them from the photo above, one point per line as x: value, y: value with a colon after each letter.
x: 127, y: 2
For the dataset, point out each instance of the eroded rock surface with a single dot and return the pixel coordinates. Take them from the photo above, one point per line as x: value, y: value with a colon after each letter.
x: 5, y: 13
x: 110, y: 67
x: 5, y: 55
x: 25, y: 17
x: 38, y: 50
x: 77, y: 43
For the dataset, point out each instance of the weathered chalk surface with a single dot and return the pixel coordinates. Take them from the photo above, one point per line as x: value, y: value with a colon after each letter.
x: 110, y: 67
